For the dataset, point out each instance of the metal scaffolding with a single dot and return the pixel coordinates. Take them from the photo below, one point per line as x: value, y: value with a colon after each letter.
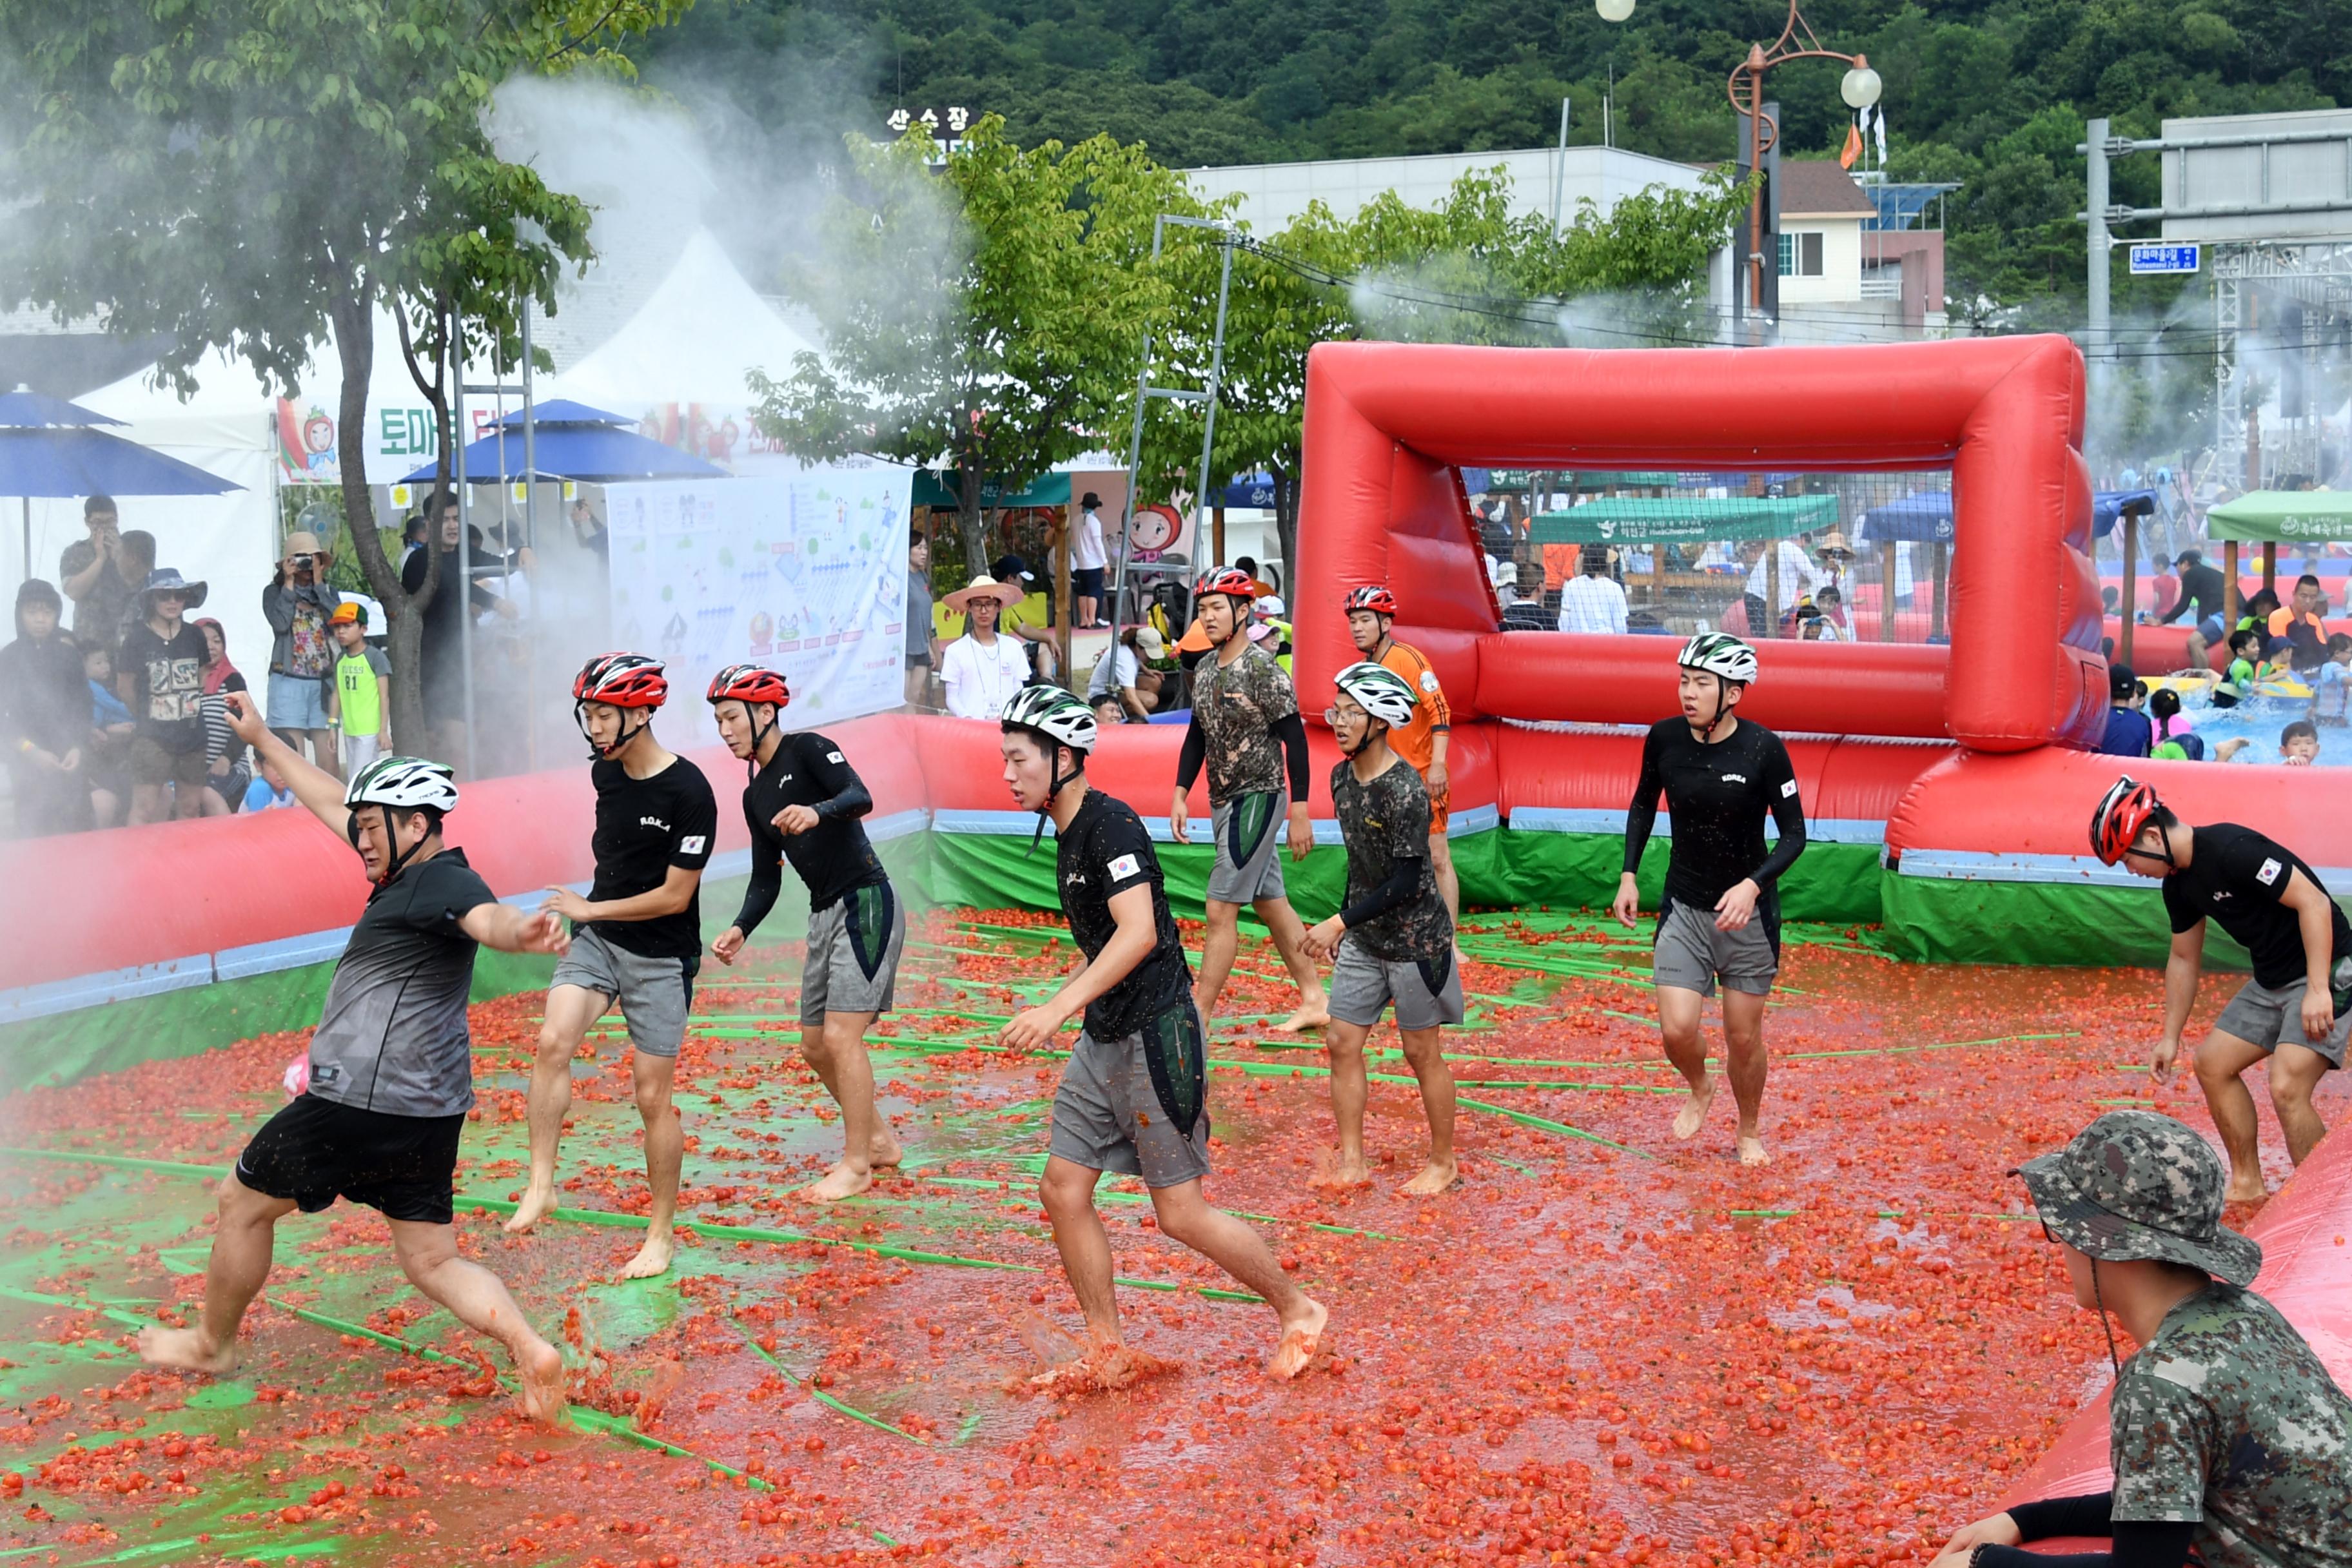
x: 2294, y: 297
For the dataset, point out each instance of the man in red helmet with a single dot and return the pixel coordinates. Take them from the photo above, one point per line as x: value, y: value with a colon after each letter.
x: 1371, y: 611
x: 1246, y: 727
x: 802, y: 802
x: 2297, y: 1009
x: 636, y: 937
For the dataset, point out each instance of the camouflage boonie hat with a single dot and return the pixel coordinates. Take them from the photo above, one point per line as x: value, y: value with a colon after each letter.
x: 2133, y: 1185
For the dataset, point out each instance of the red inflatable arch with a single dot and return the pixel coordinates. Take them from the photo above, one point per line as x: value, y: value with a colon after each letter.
x: 1389, y: 425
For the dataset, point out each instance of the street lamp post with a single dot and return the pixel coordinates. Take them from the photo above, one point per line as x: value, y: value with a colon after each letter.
x: 1798, y: 41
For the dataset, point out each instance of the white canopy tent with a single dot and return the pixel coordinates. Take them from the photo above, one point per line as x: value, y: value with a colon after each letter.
x: 678, y: 364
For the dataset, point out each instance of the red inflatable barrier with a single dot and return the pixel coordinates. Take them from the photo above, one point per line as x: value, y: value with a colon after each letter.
x: 1800, y: 686
x: 1850, y: 780
x: 1387, y: 423
x: 2041, y: 803
x: 2307, y: 1275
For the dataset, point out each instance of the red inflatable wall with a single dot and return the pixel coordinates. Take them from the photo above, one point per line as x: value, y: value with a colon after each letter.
x: 1384, y: 421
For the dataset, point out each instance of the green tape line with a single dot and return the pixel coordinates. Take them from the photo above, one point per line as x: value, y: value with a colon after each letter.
x: 1517, y: 1083
x: 1547, y: 1125
x: 39, y: 1299
x: 808, y: 1386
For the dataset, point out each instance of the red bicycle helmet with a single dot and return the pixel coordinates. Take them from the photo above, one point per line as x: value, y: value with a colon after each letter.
x: 1372, y: 596
x: 749, y: 683
x: 2122, y: 812
x: 1227, y: 580
x: 622, y: 680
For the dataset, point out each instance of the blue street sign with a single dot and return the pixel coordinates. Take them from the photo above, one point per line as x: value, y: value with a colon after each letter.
x: 2156, y: 257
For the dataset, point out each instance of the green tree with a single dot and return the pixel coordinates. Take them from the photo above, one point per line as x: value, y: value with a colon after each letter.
x: 1467, y: 270
x: 986, y: 317
x: 266, y: 178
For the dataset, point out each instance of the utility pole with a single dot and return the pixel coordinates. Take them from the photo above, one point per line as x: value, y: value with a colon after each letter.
x: 1560, y: 169
x: 2096, y: 279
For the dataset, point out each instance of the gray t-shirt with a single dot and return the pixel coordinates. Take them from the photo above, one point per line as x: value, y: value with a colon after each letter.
x: 394, y: 1038
x: 918, y: 614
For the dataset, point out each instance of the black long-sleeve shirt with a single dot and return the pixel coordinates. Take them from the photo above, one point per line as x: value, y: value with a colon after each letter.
x: 1719, y: 795
x: 44, y: 696
x: 2201, y: 586
x: 1290, y: 729
x: 2138, y: 1543
x: 832, y: 858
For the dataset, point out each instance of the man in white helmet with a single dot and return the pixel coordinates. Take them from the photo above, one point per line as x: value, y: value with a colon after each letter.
x: 1393, y: 942
x: 1134, y: 1097
x: 1720, y: 919
x: 390, y: 1071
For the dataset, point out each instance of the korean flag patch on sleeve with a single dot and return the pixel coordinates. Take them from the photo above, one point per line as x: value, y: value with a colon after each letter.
x: 1429, y: 680
x: 692, y: 844
x: 1788, y: 789
x: 2269, y: 873
x: 1122, y: 866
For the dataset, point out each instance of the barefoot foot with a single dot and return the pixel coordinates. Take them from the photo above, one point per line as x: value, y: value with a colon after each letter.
x: 1306, y: 1018
x: 843, y: 1181
x: 882, y: 1151
x: 2245, y: 1190
x: 1302, y: 1336
x: 1344, y: 1172
x: 186, y: 1349
x: 1751, y: 1150
x: 1688, y: 1119
x: 536, y: 1201
x: 1435, y: 1177
x: 653, y: 1258
x: 540, y: 1370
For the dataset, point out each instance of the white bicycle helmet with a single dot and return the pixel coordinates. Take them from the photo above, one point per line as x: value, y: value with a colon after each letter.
x: 1379, y: 692
x: 1720, y: 654
x: 1054, y: 713
x: 403, y: 783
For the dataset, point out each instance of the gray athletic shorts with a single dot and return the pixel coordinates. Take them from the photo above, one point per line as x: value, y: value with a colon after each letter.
x: 1249, y: 848
x: 1111, y: 1115
x: 2272, y: 1016
x: 654, y: 992
x: 1691, y: 953
x: 853, y: 953
x: 1427, y: 991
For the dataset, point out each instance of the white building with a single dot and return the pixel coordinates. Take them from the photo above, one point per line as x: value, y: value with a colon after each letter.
x: 1546, y: 181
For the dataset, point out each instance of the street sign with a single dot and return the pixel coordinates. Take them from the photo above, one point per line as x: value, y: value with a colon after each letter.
x: 2152, y: 258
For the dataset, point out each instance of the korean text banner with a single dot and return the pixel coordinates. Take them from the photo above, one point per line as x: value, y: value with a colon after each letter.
x: 805, y: 572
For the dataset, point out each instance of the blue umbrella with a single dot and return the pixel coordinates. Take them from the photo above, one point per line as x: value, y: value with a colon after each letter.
x: 1921, y: 516
x: 50, y: 447
x: 588, y: 451
x: 2109, y: 508
x: 1250, y: 490
x: 563, y: 411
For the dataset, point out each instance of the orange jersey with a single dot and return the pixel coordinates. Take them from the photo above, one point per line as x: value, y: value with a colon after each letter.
x: 1430, y: 713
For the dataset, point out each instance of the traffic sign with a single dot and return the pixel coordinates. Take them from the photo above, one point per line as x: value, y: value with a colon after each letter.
x: 2157, y: 257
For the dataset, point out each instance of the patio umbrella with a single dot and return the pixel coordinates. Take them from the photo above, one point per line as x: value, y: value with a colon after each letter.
x: 575, y: 442
x: 53, y: 449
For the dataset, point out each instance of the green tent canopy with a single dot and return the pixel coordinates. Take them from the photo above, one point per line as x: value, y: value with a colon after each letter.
x: 1684, y: 520
x: 941, y: 487
x: 2277, y: 516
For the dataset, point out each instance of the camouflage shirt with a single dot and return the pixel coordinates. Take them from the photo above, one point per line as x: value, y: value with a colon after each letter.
x: 1386, y: 822
x: 1236, y: 707
x: 2228, y: 1419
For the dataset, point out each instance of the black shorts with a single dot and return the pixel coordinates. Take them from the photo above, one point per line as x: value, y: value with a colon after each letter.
x: 315, y: 1150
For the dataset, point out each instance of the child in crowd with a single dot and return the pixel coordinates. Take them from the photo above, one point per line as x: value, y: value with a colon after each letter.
x: 268, y: 789
x: 2299, y: 744
x: 2176, y: 736
x: 107, y: 765
x: 2128, y: 732
x: 2331, y: 683
x: 359, y: 687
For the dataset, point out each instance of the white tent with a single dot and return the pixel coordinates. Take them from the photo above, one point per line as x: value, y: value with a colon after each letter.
x: 678, y: 364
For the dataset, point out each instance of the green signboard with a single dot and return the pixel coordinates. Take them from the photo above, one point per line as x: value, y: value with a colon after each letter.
x: 1684, y: 520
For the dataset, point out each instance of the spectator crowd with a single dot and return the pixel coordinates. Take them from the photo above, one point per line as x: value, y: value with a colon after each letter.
x: 112, y: 708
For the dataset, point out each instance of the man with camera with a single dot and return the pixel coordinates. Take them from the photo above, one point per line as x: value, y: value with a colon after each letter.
x: 101, y: 583
x: 299, y: 605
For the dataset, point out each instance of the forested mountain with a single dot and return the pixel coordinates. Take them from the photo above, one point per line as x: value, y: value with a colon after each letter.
x: 1992, y: 95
